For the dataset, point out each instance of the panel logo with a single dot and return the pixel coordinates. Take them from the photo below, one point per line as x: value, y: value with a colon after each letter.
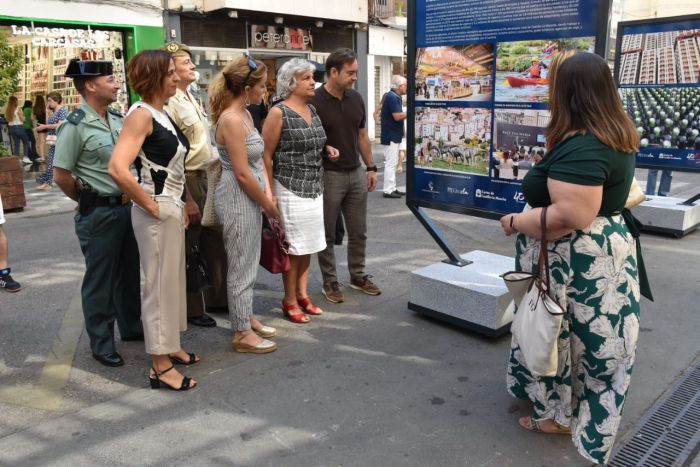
x: 483, y: 194
x: 431, y: 189
x: 669, y: 157
x: 645, y: 155
x: 457, y: 191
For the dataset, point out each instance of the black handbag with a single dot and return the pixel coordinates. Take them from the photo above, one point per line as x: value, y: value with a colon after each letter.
x: 196, y: 271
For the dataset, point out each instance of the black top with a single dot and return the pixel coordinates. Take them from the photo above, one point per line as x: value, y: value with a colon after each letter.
x: 259, y: 113
x: 342, y: 120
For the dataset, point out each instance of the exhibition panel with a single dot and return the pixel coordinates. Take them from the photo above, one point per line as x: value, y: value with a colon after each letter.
x: 478, y: 91
x: 658, y: 72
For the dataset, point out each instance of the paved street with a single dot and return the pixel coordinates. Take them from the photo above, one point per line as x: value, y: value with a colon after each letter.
x: 369, y: 383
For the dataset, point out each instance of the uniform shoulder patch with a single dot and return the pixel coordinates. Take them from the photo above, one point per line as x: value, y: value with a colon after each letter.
x: 76, y: 116
x: 114, y: 112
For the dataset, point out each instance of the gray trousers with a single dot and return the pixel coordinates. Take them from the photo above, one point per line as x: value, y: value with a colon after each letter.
x: 345, y: 192
x: 242, y: 227
x: 211, y: 247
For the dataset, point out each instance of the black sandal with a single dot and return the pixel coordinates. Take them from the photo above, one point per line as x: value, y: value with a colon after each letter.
x: 156, y: 382
x: 179, y: 361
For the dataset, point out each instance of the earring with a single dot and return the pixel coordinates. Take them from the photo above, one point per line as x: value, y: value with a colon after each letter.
x: 247, y: 100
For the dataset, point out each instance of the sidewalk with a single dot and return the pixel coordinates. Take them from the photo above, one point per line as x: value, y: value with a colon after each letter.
x: 40, y: 202
x: 366, y: 384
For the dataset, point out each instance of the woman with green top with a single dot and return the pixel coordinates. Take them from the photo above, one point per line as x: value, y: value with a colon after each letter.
x: 29, y: 129
x: 583, y: 181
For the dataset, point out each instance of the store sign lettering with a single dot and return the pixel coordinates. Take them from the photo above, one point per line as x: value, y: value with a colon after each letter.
x: 293, y: 39
x: 60, y: 37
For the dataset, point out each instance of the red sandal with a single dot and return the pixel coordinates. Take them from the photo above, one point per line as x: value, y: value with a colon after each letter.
x: 308, y: 307
x: 298, y: 318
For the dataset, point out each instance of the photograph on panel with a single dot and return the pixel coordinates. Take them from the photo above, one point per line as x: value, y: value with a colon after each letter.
x: 454, y: 73
x: 664, y: 58
x: 665, y: 117
x: 522, y: 68
x: 453, y: 138
x: 519, y: 142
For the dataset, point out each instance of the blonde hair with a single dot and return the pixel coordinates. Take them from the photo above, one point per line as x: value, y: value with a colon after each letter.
x: 12, y: 104
x: 231, y: 83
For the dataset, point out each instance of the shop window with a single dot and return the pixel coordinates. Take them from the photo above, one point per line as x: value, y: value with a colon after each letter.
x: 47, y: 52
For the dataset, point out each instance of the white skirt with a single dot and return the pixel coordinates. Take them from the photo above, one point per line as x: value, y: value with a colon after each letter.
x: 302, y: 219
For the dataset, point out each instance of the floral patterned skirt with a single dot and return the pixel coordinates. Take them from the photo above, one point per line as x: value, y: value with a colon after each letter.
x: 594, y: 277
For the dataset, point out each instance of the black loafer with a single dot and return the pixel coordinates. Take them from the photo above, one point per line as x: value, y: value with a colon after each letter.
x: 134, y: 338
x: 393, y: 194
x: 400, y: 193
x: 217, y: 309
x: 204, y: 321
x: 109, y: 359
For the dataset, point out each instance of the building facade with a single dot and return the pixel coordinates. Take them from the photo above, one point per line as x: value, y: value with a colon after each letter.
x: 272, y: 31
x: 49, y: 35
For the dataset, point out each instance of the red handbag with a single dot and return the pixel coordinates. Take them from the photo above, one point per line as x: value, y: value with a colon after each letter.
x: 274, y: 248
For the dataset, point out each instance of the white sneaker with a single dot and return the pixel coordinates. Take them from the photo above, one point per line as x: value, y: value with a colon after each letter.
x: 26, y: 160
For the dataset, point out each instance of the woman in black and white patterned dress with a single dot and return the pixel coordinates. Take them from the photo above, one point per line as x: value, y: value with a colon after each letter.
x: 294, y: 141
x: 158, y: 148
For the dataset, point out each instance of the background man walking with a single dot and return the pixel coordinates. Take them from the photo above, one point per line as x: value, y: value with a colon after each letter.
x: 392, y: 117
x: 184, y: 110
x: 85, y: 142
x: 343, y: 114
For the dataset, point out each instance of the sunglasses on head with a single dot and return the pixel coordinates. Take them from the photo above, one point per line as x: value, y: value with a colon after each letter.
x: 253, y: 66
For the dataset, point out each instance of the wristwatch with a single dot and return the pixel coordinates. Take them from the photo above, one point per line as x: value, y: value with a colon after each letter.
x: 371, y: 168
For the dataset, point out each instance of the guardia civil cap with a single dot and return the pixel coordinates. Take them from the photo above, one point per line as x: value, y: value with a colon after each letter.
x: 177, y: 50
x: 88, y: 68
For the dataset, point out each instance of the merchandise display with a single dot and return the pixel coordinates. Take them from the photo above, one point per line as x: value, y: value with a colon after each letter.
x: 46, y: 63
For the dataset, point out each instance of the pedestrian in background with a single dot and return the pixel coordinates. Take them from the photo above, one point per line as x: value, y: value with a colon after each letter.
x: 294, y: 142
x: 343, y: 115
x: 110, y: 289
x: 242, y: 193
x: 7, y: 283
x: 583, y: 182
x: 186, y: 113
x: 664, y: 184
x: 15, y: 121
x: 29, y: 130
x: 392, y: 117
x: 39, y: 111
x: 58, y: 115
x: 159, y: 216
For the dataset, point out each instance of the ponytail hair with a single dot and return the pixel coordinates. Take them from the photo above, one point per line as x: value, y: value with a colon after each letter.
x: 231, y: 83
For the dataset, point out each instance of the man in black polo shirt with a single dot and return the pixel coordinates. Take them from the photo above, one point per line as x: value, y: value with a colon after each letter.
x: 343, y: 114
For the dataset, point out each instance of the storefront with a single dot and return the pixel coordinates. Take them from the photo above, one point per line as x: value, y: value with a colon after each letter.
x: 216, y: 39
x: 47, y: 47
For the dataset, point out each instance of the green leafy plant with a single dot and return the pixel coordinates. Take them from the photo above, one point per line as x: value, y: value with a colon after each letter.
x: 11, y: 62
x: 4, y: 151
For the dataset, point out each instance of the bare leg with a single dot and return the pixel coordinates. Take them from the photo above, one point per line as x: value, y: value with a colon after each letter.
x: 303, y: 276
x: 3, y: 249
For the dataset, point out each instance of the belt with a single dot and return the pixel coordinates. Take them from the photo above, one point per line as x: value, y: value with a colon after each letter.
x: 118, y: 200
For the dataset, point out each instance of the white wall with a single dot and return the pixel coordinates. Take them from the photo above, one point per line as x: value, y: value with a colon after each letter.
x: 384, y: 63
x: 345, y: 10
x: 138, y: 12
x: 386, y: 41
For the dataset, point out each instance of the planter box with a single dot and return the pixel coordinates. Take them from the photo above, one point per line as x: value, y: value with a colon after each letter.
x: 11, y: 183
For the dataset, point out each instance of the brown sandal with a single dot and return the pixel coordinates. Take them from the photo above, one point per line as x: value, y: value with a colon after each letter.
x: 534, y: 426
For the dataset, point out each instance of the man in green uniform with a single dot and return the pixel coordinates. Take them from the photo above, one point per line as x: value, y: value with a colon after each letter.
x: 184, y: 110
x: 85, y: 142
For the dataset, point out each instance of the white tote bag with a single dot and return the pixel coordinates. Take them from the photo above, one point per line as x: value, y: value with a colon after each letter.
x: 538, y: 319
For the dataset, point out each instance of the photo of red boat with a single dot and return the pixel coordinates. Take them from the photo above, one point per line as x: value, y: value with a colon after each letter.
x: 522, y: 67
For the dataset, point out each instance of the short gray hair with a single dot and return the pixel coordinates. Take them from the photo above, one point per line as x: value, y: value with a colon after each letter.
x: 396, y: 81
x: 287, y: 76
